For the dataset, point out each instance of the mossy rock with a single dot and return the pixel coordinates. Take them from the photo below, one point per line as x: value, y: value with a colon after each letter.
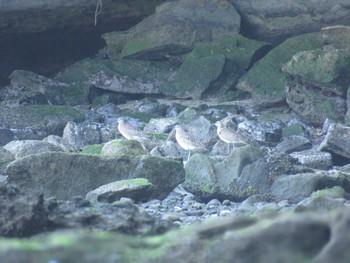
x: 265, y: 80
x: 120, y: 147
x: 94, y: 149
x: 334, y: 192
x: 5, y: 158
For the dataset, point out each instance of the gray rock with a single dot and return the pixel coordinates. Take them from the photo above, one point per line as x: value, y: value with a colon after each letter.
x: 265, y: 133
x: 296, y: 187
x: 337, y: 140
x: 20, y: 149
x: 178, y: 25
x: 273, y: 19
x: 239, y: 175
x: 314, y: 159
x: 35, y: 122
x: 5, y: 158
x: 64, y: 175
x: 160, y: 125
x: 138, y: 189
x: 294, y: 144
x: 120, y: 147
x: 6, y: 135
x: 319, y: 204
x: 78, y: 135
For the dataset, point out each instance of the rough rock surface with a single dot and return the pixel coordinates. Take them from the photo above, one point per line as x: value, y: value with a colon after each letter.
x: 64, y: 175
x: 22, y: 148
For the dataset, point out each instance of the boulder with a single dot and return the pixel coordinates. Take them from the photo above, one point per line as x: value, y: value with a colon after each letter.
x: 120, y: 147
x: 65, y: 175
x: 265, y: 80
x: 6, y: 135
x: 35, y: 122
x: 5, y: 158
x: 138, y: 189
x: 177, y: 26
x: 274, y: 19
x: 20, y: 149
x: 296, y: 187
x: 314, y: 159
x: 241, y: 174
x: 293, y: 143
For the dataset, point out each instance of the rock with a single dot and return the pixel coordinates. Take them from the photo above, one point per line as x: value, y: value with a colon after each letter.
x: 65, y: 175
x: 30, y: 88
x: 35, y: 122
x: 17, y: 16
x: 5, y: 158
x: 6, y: 135
x: 275, y: 20
x: 265, y: 80
x: 239, y: 175
x: 160, y: 125
x: 296, y: 187
x: 293, y: 144
x: 20, y: 149
x: 293, y: 129
x: 138, y: 189
x: 319, y: 204
x: 22, y: 215
x: 313, y: 106
x: 298, y: 237
x: 177, y: 26
x: 265, y: 133
x: 336, y: 35
x: 78, y: 135
x: 120, y: 216
x: 120, y: 147
x: 314, y: 159
x: 337, y: 140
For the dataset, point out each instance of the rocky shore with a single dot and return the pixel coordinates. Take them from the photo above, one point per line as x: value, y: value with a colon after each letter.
x: 276, y: 75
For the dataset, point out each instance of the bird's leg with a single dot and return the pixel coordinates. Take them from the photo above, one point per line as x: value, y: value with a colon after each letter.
x: 189, y: 154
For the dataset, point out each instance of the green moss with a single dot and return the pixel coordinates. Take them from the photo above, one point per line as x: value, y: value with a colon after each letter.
x: 159, y: 136
x: 136, y: 181
x: 132, y: 48
x: 334, y: 192
x: 94, y: 149
x: 50, y: 110
x: 265, y: 80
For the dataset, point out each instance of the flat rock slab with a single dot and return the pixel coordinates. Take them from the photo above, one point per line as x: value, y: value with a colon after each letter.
x: 138, y: 189
x: 65, y: 175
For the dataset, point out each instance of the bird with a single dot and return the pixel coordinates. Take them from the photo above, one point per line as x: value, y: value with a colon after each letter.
x: 228, y: 135
x: 131, y: 132
x: 186, y: 141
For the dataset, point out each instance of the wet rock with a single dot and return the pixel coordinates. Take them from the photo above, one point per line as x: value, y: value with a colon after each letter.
x: 265, y: 80
x: 293, y: 144
x: 295, y: 187
x: 138, y: 189
x: 265, y: 133
x: 275, y: 20
x: 35, y: 122
x: 337, y: 140
x: 22, y: 215
x: 177, y: 26
x: 127, y: 147
x: 20, y: 149
x: 64, y: 175
x: 314, y: 159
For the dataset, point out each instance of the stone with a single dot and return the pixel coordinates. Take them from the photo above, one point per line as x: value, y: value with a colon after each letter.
x: 138, y: 189
x: 262, y: 132
x: 293, y: 144
x: 273, y: 20
x: 314, y: 106
x: 23, y: 214
x: 314, y: 159
x: 265, y: 80
x: 337, y: 140
x: 120, y: 147
x: 65, y: 175
x: 20, y: 149
x: 5, y: 158
x: 176, y: 27
x: 319, y: 204
x: 239, y: 175
x: 6, y: 135
x: 35, y: 122
x: 296, y: 187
